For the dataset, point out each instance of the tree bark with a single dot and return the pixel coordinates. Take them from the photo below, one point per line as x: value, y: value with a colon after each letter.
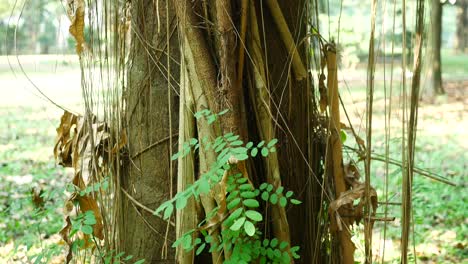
x: 434, y: 74
x: 151, y: 120
x: 461, y: 35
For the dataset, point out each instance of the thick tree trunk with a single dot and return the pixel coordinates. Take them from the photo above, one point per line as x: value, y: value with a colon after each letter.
x: 294, y: 110
x: 211, y: 67
x: 151, y: 119
x: 434, y: 74
x: 461, y: 36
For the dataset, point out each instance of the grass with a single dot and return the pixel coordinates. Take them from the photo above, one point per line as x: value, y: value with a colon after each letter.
x: 439, y: 210
x: 28, y: 131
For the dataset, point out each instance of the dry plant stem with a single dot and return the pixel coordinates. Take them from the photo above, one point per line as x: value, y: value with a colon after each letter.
x: 369, y: 106
x: 186, y: 219
x: 412, y: 128
x: 347, y: 245
x: 261, y: 102
x: 406, y: 184
x: 297, y: 65
x: 242, y: 44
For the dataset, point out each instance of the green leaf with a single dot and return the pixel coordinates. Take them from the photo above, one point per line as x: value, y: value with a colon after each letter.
x: 175, y: 156
x: 272, y: 142
x: 249, y: 144
x: 242, y: 156
x: 181, y: 203
x: 294, y: 201
x: 129, y: 257
x: 233, y: 216
x: 254, y: 152
x: 168, y: 212
x: 343, y: 136
x: 233, y: 203
x: 242, y: 180
x: 238, y: 224
x: 246, y: 187
x: 279, y: 190
x: 220, y: 147
x: 283, y: 201
x: 289, y: 194
x: 251, y: 203
x: 89, y: 221
x: 254, y: 215
x: 265, y: 196
x: 248, y: 194
x: 88, y: 230
x: 204, y: 186
x: 274, y: 242
x: 273, y: 149
x: 187, y: 242
x: 274, y: 198
x: 236, y: 143
x: 261, y: 144
x: 269, y: 187
x: 200, y: 249
x: 263, y: 186
x: 266, y: 242
x: 264, y: 152
x: 141, y: 261
x: 211, y: 119
x: 249, y: 228
x: 283, y: 245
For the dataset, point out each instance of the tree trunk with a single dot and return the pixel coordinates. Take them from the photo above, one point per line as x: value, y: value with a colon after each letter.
x: 281, y: 100
x: 461, y: 36
x: 151, y: 120
x: 434, y: 74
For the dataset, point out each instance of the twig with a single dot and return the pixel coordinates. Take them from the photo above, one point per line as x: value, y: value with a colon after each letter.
x: 144, y: 207
x: 154, y: 145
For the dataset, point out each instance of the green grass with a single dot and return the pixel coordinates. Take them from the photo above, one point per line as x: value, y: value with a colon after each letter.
x: 27, y: 162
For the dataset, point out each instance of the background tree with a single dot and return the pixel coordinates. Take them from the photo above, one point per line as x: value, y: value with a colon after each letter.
x: 461, y: 36
x: 434, y: 64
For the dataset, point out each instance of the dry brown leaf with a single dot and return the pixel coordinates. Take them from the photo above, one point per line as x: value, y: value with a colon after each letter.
x: 352, y: 174
x: 36, y: 196
x: 88, y: 203
x: 348, y: 197
x: 76, y: 14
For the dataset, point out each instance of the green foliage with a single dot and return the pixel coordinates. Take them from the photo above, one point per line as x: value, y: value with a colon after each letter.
x: 240, y: 233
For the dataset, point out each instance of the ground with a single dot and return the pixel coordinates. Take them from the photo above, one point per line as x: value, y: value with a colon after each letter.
x: 28, y: 122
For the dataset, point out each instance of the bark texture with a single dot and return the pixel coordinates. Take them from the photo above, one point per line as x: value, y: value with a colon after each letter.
x: 434, y: 71
x: 151, y: 116
x: 461, y: 40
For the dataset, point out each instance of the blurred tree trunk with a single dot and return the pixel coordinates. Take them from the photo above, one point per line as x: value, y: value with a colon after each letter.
x: 461, y: 36
x: 434, y: 72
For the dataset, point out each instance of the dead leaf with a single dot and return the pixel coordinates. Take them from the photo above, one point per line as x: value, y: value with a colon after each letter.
x: 88, y: 203
x: 36, y: 196
x: 76, y: 14
x: 348, y: 198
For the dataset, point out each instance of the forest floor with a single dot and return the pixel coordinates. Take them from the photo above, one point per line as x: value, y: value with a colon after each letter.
x: 27, y: 135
